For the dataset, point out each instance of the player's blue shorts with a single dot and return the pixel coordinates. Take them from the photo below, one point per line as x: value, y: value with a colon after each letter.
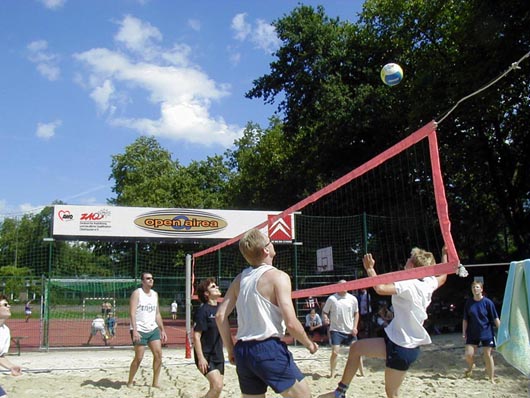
x: 265, y: 363
x: 339, y: 338
x: 2, y: 392
x: 146, y: 338
x: 399, y: 358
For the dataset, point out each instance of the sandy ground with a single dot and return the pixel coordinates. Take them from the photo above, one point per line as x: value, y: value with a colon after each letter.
x: 103, y: 373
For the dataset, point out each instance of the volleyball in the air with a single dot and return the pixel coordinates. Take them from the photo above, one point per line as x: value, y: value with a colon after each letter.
x: 391, y: 74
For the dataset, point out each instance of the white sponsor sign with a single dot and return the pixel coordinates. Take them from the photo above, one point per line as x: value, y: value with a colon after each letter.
x: 70, y: 221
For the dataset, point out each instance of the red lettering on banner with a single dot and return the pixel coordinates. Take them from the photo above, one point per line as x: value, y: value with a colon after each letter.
x: 92, y: 216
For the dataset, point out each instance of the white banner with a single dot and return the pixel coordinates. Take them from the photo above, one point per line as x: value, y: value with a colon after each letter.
x: 105, y: 222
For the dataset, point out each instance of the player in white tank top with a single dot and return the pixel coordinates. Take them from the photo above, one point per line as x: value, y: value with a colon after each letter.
x: 262, y: 293
x: 147, y: 328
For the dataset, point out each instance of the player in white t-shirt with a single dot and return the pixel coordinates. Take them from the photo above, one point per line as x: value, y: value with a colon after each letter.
x: 341, y: 313
x: 98, y: 326
x: 405, y: 333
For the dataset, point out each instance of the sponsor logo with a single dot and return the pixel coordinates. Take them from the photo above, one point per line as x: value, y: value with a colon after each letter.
x: 187, y: 222
x: 281, y: 229
x: 95, y: 216
x: 65, y: 215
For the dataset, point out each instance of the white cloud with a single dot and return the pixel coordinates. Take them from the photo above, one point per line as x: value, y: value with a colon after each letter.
x: 265, y: 37
x: 195, y: 24
x: 53, y: 4
x: 138, y: 36
x: 178, y: 55
x: 182, y: 91
x: 241, y: 28
x: 50, y: 72
x: 47, y: 130
x: 46, y: 61
x: 102, y: 96
x: 262, y: 34
x: 186, y: 121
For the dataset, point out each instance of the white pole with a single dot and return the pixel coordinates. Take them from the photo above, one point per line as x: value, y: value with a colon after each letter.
x: 188, y: 305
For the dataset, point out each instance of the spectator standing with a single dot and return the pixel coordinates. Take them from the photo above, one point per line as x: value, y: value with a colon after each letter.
x: 27, y: 310
x: 341, y: 313
x: 480, y: 316
x: 110, y: 323
x: 174, y: 308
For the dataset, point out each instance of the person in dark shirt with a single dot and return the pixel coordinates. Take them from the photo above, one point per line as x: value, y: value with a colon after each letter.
x: 208, y: 346
x: 480, y: 316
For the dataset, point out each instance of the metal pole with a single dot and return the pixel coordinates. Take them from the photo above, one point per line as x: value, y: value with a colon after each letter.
x: 50, y: 253
x: 45, y: 342
x: 188, y: 305
x: 135, y: 260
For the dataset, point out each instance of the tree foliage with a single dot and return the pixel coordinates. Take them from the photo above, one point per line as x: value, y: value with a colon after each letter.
x: 144, y: 175
x: 337, y: 114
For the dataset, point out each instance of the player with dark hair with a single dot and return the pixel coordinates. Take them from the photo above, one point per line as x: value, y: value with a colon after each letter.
x: 480, y: 316
x: 207, y: 343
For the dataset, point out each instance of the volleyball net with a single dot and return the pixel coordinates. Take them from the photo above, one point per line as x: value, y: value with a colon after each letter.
x: 387, y: 206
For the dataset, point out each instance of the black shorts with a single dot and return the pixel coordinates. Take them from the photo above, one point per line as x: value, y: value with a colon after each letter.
x: 213, y: 364
x: 481, y: 343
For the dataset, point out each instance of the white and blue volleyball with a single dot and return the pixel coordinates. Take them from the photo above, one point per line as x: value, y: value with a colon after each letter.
x: 391, y: 74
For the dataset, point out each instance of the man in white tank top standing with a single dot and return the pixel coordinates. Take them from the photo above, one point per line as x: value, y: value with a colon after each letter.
x: 147, y: 328
x: 262, y: 296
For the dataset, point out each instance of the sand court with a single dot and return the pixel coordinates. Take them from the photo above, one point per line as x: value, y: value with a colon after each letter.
x: 103, y: 373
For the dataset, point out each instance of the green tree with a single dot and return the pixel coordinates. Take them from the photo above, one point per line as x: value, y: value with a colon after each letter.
x: 259, y: 164
x: 144, y: 175
x: 335, y: 108
x: 451, y: 49
x: 337, y: 114
x: 203, y: 184
x: 15, y: 280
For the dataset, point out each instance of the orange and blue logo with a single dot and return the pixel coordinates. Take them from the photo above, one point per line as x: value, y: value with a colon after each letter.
x: 180, y: 222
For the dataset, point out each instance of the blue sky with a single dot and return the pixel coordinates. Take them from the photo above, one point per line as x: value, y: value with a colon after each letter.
x: 81, y: 80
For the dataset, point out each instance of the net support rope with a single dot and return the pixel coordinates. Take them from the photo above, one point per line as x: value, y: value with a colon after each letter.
x: 512, y: 67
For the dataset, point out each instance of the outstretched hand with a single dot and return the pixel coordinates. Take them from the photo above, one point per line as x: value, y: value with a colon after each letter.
x: 368, y: 261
